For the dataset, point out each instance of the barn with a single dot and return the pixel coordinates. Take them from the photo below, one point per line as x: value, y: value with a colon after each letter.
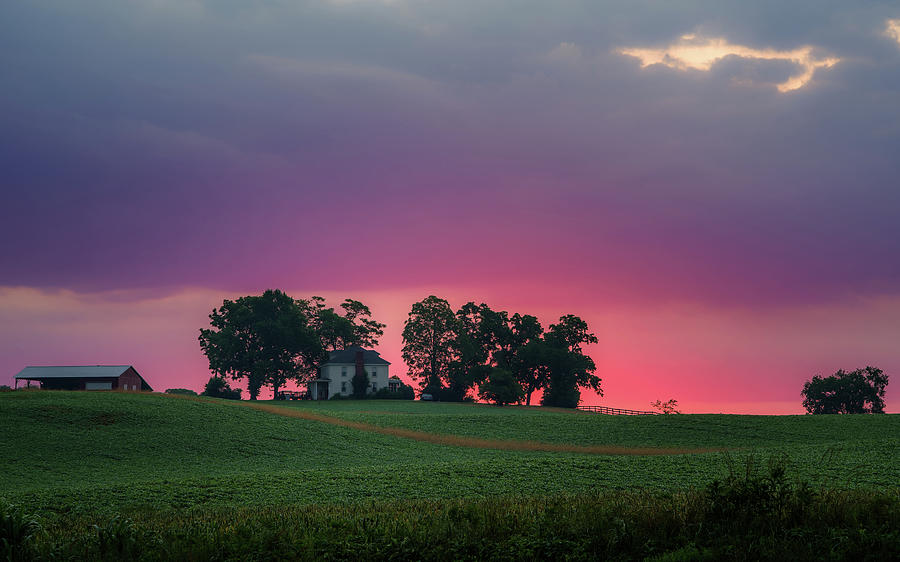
x: 85, y: 377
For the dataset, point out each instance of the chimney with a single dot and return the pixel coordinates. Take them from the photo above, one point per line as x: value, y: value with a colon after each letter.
x: 360, y: 370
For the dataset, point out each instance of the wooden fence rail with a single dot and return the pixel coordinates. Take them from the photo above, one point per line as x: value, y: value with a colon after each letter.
x: 615, y: 411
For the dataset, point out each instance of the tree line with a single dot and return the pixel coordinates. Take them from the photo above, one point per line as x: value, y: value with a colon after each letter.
x: 271, y: 339
x: 503, y: 358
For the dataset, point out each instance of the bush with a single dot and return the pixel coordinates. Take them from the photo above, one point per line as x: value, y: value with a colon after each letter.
x: 5, y: 388
x: 216, y: 387
x: 405, y: 392
x: 183, y: 391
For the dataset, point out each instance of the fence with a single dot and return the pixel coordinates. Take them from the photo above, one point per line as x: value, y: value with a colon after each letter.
x: 615, y: 411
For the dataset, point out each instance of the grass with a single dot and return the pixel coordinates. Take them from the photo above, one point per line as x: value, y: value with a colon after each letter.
x: 134, y: 465
x: 581, y: 428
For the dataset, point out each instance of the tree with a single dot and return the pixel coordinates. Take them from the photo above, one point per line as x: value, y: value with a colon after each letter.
x: 335, y: 331
x: 857, y: 392
x: 429, y: 336
x: 667, y: 407
x: 217, y: 387
x: 501, y: 388
x: 522, y: 353
x: 477, y: 341
x: 568, y: 368
x: 366, y: 331
x: 265, y: 339
x: 360, y: 383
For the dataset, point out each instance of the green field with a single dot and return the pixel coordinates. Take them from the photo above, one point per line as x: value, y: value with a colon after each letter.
x: 70, y: 451
x: 75, y: 456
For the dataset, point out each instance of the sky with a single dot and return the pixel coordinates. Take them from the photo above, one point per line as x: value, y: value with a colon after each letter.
x: 713, y: 186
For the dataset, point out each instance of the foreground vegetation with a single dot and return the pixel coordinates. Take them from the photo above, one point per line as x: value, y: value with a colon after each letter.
x: 113, y: 475
x: 749, y: 515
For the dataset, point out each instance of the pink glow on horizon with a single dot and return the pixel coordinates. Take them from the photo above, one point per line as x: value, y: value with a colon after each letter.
x: 709, y: 359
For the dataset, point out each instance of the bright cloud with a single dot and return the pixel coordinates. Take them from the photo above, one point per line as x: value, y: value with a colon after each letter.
x: 892, y: 30
x: 692, y: 52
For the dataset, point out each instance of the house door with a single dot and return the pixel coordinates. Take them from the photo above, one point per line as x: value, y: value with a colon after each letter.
x: 322, y: 391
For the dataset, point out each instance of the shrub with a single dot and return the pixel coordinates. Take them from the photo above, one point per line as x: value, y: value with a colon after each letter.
x: 405, y: 392
x: 184, y: 391
x: 216, y: 387
x: 667, y: 407
x: 5, y: 388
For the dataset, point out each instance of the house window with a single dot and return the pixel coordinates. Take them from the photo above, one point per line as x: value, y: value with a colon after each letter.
x: 374, y: 386
x: 343, y: 371
x: 344, y: 386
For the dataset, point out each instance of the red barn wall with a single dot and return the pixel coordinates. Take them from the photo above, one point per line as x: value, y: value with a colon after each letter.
x: 129, y: 380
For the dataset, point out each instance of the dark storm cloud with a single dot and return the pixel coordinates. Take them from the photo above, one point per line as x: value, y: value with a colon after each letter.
x: 224, y: 143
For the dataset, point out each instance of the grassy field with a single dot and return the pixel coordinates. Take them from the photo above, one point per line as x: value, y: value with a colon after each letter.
x: 68, y: 451
x: 86, y: 457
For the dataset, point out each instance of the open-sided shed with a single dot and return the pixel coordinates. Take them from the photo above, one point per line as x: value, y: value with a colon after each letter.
x: 85, y: 377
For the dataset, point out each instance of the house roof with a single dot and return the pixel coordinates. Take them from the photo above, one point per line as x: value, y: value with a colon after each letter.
x: 78, y: 372
x: 348, y: 357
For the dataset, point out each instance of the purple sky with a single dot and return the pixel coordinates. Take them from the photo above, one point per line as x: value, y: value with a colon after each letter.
x: 709, y: 225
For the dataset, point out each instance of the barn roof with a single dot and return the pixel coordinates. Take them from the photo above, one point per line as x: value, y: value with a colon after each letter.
x: 348, y: 356
x: 73, y: 372
x: 78, y: 372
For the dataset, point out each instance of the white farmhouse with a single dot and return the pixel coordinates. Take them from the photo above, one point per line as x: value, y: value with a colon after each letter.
x: 336, y: 376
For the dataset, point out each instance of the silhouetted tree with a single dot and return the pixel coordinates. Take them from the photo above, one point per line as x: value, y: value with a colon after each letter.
x: 501, y: 388
x: 366, y: 331
x: 479, y: 331
x: 217, y: 387
x: 265, y: 339
x: 857, y: 392
x: 522, y: 353
x: 429, y: 336
x: 336, y: 331
x: 567, y: 366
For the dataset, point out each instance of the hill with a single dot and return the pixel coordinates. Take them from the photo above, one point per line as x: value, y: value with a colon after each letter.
x: 73, y: 451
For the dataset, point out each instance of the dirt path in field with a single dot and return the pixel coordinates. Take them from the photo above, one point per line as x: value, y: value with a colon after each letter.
x: 460, y: 441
